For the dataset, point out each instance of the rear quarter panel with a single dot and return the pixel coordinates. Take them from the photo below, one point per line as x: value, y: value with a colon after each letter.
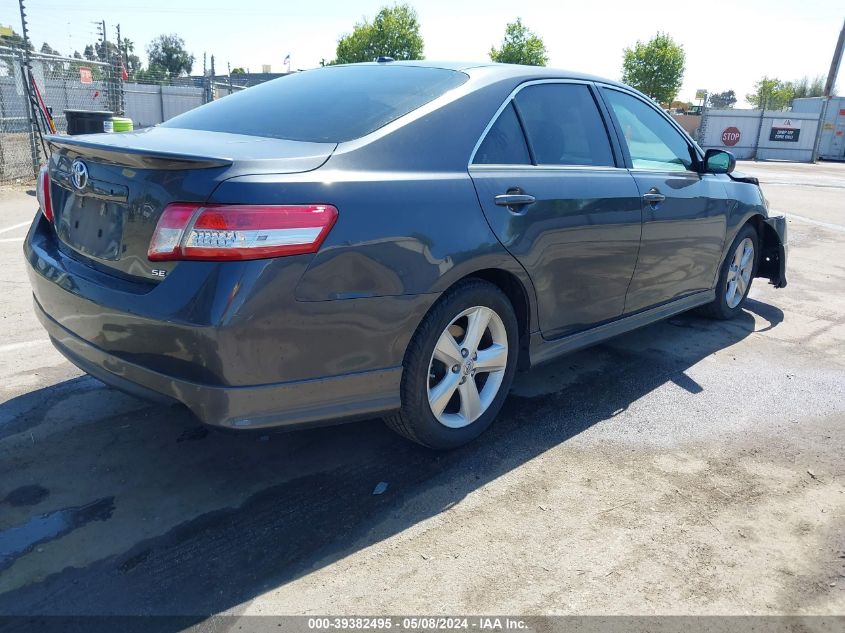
x: 409, y: 220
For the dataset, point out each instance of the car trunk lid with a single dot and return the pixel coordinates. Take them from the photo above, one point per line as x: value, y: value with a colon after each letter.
x: 109, y: 190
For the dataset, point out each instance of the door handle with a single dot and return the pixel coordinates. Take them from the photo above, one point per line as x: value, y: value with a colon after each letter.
x: 654, y: 197
x: 514, y: 199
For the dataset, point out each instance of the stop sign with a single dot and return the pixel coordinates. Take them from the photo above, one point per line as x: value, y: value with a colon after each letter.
x: 730, y: 136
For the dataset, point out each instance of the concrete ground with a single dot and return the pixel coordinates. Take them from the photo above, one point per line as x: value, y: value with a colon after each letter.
x: 692, y: 467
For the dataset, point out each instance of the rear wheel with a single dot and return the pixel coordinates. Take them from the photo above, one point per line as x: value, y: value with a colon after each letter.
x: 459, y: 367
x: 735, y: 277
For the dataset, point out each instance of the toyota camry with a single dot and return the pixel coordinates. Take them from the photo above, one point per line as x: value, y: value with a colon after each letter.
x: 391, y: 239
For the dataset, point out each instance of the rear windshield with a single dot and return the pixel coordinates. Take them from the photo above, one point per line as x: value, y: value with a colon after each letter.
x: 331, y: 104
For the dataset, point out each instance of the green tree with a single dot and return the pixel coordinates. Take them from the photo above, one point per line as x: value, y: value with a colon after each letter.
x: 238, y: 71
x: 49, y: 50
x: 106, y: 51
x: 807, y: 87
x: 394, y: 32
x: 131, y: 61
x: 51, y: 66
x: 520, y: 46
x: 151, y: 75
x: 722, y: 100
x: 655, y: 68
x: 99, y: 52
x: 168, y: 52
x: 771, y: 94
x: 13, y: 40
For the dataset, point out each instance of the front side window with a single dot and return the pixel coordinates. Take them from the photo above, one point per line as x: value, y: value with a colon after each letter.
x: 563, y: 125
x: 652, y: 141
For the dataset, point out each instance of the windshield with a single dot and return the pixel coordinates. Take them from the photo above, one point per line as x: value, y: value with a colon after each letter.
x: 332, y: 104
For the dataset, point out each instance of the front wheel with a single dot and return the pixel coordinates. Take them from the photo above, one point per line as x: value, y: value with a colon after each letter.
x: 735, y: 276
x: 459, y: 367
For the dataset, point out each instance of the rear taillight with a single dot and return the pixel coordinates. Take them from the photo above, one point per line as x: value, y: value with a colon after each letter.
x: 42, y: 193
x: 239, y: 231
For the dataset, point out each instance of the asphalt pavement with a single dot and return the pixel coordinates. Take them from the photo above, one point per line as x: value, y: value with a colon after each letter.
x: 691, y: 467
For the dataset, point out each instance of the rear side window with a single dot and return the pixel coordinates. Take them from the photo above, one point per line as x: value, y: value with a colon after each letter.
x: 504, y: 143
x: 652, y: 141
x: 333, y: 104
x: 563, y: 125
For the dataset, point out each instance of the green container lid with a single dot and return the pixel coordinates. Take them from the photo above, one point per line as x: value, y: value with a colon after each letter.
x: 121, y: 124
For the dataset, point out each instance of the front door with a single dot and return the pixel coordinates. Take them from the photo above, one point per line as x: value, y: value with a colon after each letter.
x: 684, y: 211
x: 549, y: 184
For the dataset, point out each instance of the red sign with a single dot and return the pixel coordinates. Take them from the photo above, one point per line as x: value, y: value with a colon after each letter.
x: 842, y: 112
x: 85, y: 75
x: 730, y: 136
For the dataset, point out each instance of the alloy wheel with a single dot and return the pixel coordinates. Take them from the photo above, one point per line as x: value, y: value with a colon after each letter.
x: 467, y: 367
x: 739, y: 273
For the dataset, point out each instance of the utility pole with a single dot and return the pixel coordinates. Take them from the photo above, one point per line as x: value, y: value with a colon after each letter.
x: 835, y: 62
x: 25, y: 30
x: 120, y: 102
x: 211, y: 84
x: 113, y: 90
x: 101, y: 31
x: 27, y: 72
x: 828, y: 89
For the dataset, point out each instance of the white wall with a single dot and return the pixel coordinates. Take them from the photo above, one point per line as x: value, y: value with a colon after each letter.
x: 149, y: 105
x: 749, y: 123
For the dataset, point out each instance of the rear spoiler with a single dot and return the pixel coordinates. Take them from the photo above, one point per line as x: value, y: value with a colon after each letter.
x: 125, y: 156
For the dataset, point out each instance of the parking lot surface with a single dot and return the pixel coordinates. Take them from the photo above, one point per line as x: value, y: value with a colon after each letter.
x: 691, y: 467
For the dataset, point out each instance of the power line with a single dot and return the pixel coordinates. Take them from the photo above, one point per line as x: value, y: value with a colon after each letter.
x: 145, y: 9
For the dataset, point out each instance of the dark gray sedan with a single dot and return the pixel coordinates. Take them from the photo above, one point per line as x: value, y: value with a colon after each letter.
x: 391, y: 239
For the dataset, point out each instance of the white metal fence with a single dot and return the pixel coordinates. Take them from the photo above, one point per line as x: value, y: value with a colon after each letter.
x: 760, y: 134
x: 149, y: 104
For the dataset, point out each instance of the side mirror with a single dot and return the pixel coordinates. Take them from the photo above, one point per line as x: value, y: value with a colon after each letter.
x: 718, y: 161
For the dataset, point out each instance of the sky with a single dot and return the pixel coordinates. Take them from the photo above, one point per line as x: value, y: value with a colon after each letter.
x: 729, y: 45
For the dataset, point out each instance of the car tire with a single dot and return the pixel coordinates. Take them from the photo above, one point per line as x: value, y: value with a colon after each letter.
x: 439, y: 375
x: 735, y: 275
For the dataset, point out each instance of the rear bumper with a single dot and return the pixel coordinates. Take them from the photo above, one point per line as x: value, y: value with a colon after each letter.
x: 290, y: 404
x: 227, y: 340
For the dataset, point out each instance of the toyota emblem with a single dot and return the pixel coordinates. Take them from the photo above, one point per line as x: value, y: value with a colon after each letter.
x: 79, y: 174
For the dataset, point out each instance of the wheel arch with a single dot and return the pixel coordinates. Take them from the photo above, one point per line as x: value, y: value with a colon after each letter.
x: 520, y: 298
x: 755, y: 219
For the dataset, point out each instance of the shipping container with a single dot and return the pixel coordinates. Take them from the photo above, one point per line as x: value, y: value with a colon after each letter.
x: 832, y: 139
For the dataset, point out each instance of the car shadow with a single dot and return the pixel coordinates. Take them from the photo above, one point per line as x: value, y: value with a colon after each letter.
x: 196, y: 521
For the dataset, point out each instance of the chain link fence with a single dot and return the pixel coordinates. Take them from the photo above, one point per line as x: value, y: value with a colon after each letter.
x: 16, y: 149
x: 67, y: 83
x: 64, y: 84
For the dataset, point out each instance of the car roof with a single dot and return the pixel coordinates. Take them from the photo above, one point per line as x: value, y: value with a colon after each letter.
x: 503, y: 71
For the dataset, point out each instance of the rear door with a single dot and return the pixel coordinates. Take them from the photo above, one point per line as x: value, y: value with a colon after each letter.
x: 551, y: 183
x: 684, y: 211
